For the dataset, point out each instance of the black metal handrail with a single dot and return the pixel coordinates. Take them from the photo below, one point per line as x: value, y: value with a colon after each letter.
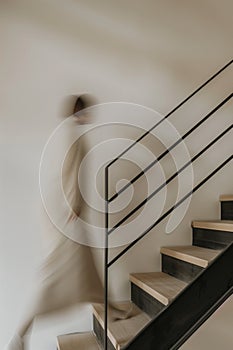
x: 161, y: 218
x: 109, y: 264
x: 170, y: 179
x: 155, y: 126
x: 165, y: 153
x: 108, y: 200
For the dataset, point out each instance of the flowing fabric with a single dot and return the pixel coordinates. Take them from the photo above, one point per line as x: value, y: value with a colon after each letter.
x: 69, y: 273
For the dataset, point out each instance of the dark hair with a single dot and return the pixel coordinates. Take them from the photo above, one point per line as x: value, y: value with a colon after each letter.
x: 83, y: 101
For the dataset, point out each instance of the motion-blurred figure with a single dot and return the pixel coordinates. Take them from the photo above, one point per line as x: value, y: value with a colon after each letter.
x: 69, y: 274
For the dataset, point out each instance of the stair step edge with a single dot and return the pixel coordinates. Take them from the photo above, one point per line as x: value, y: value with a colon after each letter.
x: 74, y: 341
x: 164, y: 291
x: 218, y: 225
x: 226, y: 198
x: 99, y: 315
x: 191, y: 254
x: 111, y: 337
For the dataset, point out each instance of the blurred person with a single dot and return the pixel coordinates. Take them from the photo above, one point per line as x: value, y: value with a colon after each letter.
x: 69, y: 274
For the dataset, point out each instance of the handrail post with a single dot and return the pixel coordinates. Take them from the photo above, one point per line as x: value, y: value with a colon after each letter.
x: 106, y: 264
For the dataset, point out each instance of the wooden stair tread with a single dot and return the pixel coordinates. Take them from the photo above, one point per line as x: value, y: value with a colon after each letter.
x: 192, y: 254
x: 159, y: 285
x: 120, y: 332
x: 219, y: 225
x: 78, y: 341
x: 226, y: 197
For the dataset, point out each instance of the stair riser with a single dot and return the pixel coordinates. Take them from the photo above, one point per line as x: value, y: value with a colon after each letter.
x: 227, y: 210
x: 212, y: 239
x: 190, y: 309
x: 99, y: 332
x: 145, y: 302
x: 180, y: 269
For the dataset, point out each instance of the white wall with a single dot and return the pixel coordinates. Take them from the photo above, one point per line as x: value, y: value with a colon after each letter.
x: 151, y: 53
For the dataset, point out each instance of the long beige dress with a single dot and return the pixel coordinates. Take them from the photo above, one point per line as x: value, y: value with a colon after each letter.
x: 69, y: 274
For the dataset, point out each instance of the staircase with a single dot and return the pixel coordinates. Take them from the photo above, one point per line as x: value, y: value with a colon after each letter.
x: 169, y: 305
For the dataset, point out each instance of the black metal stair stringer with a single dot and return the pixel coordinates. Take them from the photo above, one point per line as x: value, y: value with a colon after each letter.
x: 197, y: 302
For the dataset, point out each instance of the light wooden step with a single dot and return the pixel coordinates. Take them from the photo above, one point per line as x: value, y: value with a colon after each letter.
x: 192, y: 254
x: 78, y: 341
x: 219, y: 225
x: 226, y: 198
x: 120, y: 332
x: 159, y: 285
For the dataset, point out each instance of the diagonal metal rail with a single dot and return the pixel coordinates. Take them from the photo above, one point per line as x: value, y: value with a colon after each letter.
x: 170, y: 179
x: 170, y: 210
x: 108, y: 263
x: 158, y: 123
x: 171, y: 147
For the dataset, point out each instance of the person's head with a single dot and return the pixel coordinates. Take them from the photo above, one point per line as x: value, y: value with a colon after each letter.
x: 83, y: 101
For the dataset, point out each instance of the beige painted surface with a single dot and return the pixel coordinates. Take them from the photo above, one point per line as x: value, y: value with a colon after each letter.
x: 151, y: 53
